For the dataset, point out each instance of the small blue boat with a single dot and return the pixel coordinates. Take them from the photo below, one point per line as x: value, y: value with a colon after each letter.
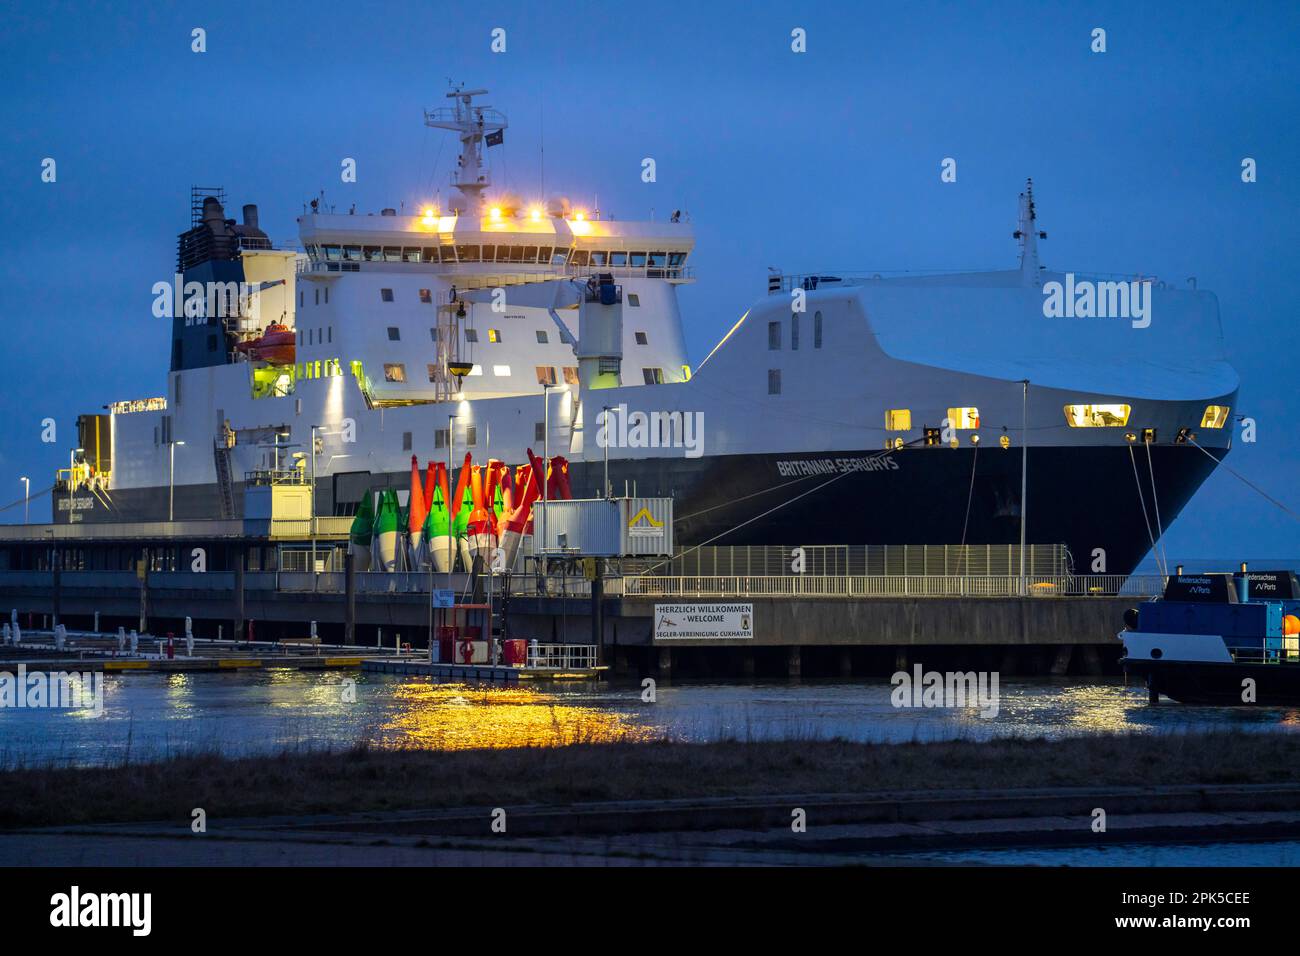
x: 1226, y: 639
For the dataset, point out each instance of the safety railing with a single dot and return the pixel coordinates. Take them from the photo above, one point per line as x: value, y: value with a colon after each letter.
x: 561, y: 657
x: 901, y: 585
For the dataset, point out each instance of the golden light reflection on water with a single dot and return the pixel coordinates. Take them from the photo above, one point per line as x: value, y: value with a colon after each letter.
x: 461, y: 717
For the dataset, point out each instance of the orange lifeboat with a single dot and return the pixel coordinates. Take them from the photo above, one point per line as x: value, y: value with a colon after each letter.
x: 276, y: 345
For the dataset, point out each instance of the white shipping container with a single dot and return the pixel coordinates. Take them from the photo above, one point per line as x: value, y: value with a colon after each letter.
x: 604, y: 527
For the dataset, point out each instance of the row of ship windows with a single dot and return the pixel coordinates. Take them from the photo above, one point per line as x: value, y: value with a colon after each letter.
x: 426, y: 296
x: 470, y: 436
x: 1076, y: 416
x: 531, y: 255
x: 494, y: 336
x: 546, y: 374
x: 775, y: 334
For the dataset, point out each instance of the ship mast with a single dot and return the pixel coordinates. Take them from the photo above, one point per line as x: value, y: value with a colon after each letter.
x: 473, y: 122
x: 1028, y: 234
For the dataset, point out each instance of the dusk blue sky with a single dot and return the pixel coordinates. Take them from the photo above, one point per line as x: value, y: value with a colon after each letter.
x: 827, y: 160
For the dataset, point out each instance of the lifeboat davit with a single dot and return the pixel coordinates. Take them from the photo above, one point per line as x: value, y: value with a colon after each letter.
x: 277, y: 345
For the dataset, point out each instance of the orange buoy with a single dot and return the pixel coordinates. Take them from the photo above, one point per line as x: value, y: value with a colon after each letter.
x: 1290, y: 625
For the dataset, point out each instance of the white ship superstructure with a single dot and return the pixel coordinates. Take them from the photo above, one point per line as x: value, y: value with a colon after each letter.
x: 840, y: 409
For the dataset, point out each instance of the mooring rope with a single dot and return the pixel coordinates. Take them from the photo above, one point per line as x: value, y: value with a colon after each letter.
x: 1155, y: 507
x: 1247, y: 481
x: 778, y: 507
x: 1145, y: 520
x: 970, y: 496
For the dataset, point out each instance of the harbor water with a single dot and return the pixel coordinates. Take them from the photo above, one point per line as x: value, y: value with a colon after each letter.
x: 152, y: 716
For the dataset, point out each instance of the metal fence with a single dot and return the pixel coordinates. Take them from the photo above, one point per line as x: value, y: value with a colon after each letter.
x: 561, y: 656
x: 901, y: 585
x: 863, y: 559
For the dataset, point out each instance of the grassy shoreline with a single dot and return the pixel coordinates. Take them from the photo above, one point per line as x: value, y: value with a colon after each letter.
x: 365, y: 778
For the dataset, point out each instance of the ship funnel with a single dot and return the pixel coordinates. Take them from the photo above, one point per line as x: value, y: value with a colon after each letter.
x: 250, y: 216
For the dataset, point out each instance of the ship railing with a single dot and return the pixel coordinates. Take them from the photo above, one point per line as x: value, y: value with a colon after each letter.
x: 809, y: 282
x: 895, y: 585
x: 1273, y: 650
x: 561, y: 657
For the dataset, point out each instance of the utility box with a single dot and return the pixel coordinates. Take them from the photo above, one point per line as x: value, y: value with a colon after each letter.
x: 604, y: 527
x: 286, y: 502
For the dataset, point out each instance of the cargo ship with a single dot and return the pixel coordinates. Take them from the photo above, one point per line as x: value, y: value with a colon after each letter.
x: 996, y: 407
x: 1218, y: 639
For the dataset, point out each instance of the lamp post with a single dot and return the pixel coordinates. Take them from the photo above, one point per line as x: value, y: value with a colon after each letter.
x: 312, y: 506
x: 27, y: 497
x: 171, y: 481
x: 546, y: 459
x: 605, y: 423
x: 1024, y: 474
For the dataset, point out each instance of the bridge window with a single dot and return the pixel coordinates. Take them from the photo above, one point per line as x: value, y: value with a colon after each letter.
x: 544, y: 255
x: 653, y: 376
x: 392, y: 253
x: 580, y: 257
x: 898, y: 420
x: 618, y: 259
x: 559, y: 257
x: 394, y: 372
x: 467, y: 253
x: 636, y: 260
x: 571, y: 374
x: 1096, y: 416
x: 411, y: 253
x: 658, y: 259
x: 967, y: 417
x: 599, y: 258
x: 545, y: 374
x: 1216, y: 416
x: 676, y: 258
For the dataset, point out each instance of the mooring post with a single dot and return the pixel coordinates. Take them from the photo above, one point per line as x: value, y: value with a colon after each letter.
x: 349, y: 601
x: 238, y: 630
x: 1153, y: 692
x: 142, y: 573
x: 597, y: 622
x: 56, y: 567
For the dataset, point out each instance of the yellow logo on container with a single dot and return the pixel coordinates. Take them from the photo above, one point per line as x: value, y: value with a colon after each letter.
x: 645, y: 513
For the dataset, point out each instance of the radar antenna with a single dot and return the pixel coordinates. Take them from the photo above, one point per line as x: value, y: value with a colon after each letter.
x: 474, y: 122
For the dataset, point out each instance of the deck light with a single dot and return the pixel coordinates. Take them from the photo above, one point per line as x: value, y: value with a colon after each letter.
x: 535, y: 214
x: 495, y: 213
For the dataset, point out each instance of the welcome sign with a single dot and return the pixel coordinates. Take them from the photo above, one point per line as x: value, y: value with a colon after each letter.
x: 704, y: 622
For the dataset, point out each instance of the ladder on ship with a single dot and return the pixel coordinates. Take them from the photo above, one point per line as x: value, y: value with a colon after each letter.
x: 225, y: 483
